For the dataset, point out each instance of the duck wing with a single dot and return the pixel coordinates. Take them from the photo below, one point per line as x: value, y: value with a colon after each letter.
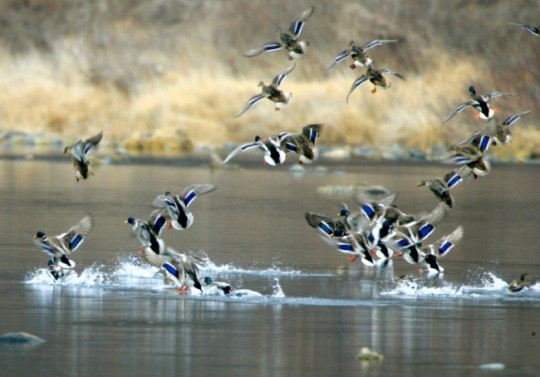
x: 253, y: 100
x: 298, y: 23
x: 399, y: 75
x: 378, y: 42
x: 242, y: 148
x: 340, y: 57
x: 192, y: 192
x: 359, y: 81
x: 74, y: 237
x: 446, y: 243
x: 279, y: 78
x: 266, y: 47
x: 92, y: 142
x: 458, y: 109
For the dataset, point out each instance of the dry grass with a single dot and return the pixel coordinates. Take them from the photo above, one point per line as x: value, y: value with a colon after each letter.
x: 176, y: 84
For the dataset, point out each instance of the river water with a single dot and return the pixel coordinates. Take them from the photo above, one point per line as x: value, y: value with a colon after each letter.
x: 300, y: 307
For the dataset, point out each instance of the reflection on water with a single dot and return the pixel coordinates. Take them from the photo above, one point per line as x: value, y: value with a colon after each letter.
x: 302, y: 309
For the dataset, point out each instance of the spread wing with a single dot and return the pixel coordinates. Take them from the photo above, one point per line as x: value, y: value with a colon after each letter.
x: 342, y: 56
x: 74, y: 237
x: 399, y: 75
x: 359, y: 81
x: 157, y: 221
x: 242, y: 148
x: 446, y: 243
x: 378, y: 42
x: 266, y: 47
x: 92, y: 142
x: 279, y: 78
x: 253, y: 100
x: 457, y: 110
x: 298, y: 23
x: 192, y: 192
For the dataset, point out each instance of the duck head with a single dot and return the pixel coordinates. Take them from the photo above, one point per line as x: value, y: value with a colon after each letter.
x: 39, y: 234
x: 207, y: 280
x: 130, y: 220
x: 472, y: 90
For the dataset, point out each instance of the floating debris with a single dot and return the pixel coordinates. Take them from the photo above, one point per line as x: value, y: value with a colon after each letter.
x: 21, y: 338
x: 347, y: 190
x: 492, y: 366
x: 367, y: 355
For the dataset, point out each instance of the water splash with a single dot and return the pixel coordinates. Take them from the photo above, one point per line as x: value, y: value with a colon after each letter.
x: 278, y: 291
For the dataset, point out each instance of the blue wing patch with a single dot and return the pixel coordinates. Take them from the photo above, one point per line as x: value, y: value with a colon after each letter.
x: 326, y: 228
x: 445, y: 247
x: 190, y: 197
x: 170, y: 269
x: 425, y: 231
x: 76, y: 241
x: 346, y: 247
x: 312, y: 135
x: 368, y: 210
x: 454, y: 180
x: 298, y: 28
x: 403, y: 243
x: 485, y: 142
x: 159, y: 223
x: 272, y: 47
x: 170, y: 202
x: 291, y: 147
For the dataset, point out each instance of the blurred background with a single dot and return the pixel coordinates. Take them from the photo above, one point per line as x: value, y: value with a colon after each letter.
x: 168, y: 76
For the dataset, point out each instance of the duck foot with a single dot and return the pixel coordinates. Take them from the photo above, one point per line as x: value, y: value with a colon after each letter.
x: 374, y: 90
x: 352, y: 259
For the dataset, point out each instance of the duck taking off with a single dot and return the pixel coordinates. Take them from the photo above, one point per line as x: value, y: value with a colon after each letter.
x: 180, y: 270
x: 79, y: 155
x: 479, y: 102
x: 272, y: 92
x: 60, y: 246
x: 149, y: 232
x: 180, y: 217
x: 288, y: 40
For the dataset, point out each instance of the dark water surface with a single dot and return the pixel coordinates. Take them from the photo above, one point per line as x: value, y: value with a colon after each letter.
x: 305, y: 309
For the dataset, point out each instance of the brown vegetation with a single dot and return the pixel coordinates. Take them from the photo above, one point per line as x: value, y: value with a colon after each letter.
x: 170, y: 75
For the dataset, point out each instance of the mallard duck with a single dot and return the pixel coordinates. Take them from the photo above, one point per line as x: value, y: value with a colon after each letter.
x: 210, y: 284
x: 180, y: 217
x: 410, y: 236
x: 288, y: 40
x: 79, y: 155
x: 179, y: 269
x: 60, y: 246
x: 472, y: 156
x: 358, y: 54
x: 331, y: 227
x: 438, y: 250
x: 493, y: 133
x: 270, y: 147
x: 524, y: 281
x: 375, y: 76
x: 272, y: 92
x: 303, y: 143
x: 357, y: 245
x: 534, y: 30
x: 440, y: 187
x: 479, y: 103
x: 148, y: 232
